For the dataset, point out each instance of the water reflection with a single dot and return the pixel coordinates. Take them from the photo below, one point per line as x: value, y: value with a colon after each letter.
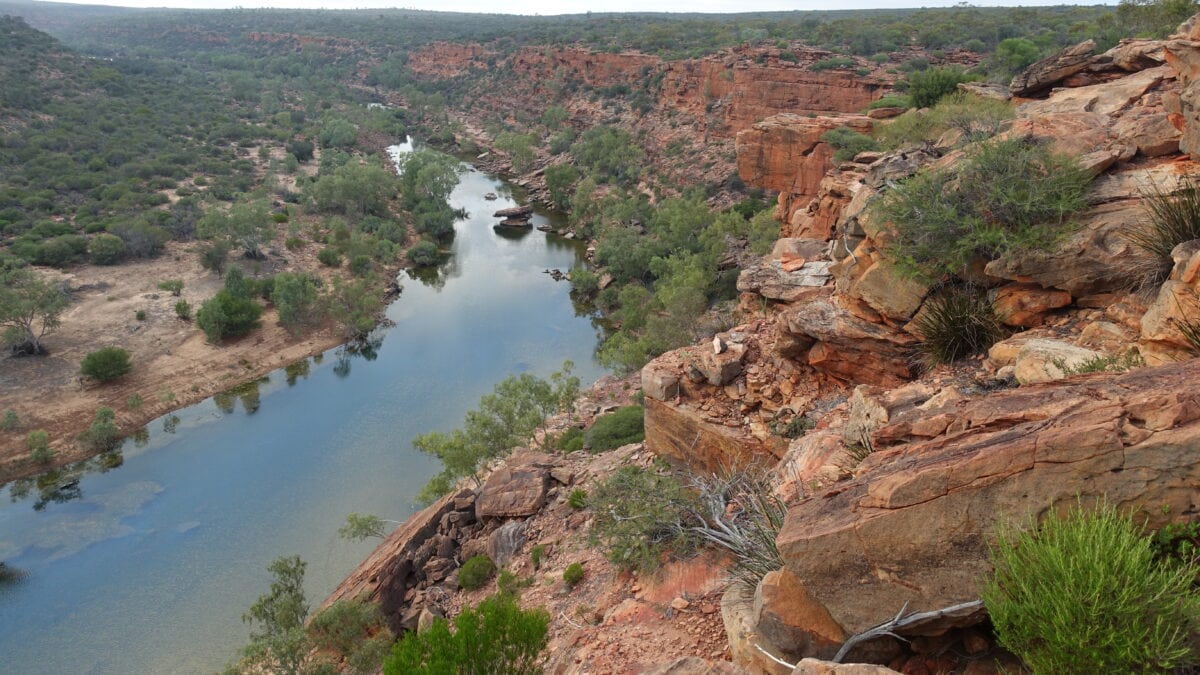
x: 511, y: 233
x: 61, y: 485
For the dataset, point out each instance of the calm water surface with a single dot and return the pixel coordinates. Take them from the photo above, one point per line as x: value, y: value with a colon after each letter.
x: 147, y: 567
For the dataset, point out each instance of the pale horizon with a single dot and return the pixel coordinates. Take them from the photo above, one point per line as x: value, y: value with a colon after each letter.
x: 560, y: 7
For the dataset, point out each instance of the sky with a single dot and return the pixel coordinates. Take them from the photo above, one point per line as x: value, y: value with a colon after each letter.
x: 546, y: 7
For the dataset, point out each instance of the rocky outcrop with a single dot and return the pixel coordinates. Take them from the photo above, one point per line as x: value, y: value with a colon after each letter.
x: 1175, y: 312
x: 785, y: 153
x: 914, y: 525
x: 1053, y: 69
x: 683, y: 433
x: 847, y: 346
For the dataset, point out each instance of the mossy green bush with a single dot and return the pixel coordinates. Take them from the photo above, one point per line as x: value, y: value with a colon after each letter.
x: 1006, y: 196
x: 621, y: 427
x: 573, y: 575
x: 106, y: 364
x: 476, y: 572
x: 1085, y: 594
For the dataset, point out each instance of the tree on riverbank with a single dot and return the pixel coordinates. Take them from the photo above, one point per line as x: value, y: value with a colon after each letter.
x: 29, y: 309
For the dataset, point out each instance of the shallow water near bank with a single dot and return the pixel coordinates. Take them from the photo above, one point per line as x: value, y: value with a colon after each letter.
x: 148, y: 566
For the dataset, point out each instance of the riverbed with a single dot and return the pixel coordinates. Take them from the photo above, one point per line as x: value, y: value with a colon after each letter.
x: 144, y: 562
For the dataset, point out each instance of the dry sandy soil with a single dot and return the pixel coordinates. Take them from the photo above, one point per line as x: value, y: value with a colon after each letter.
x: 173, y: 364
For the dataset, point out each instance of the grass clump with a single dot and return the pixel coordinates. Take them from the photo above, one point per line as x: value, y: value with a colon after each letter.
x: 476, y: 572
x: 577, y: 499
x: 9, y: 420
x: 495, y: 637
x: 103, y: 434
x: 1007, y: 196
x: 536, y: 554
x: 1174, y: 217
x: 847, y: 143
x: 957, y: 323
x: 1105, y: 363
x: 621, y: 427
x: 1085, y: 594
x: 573, y: 575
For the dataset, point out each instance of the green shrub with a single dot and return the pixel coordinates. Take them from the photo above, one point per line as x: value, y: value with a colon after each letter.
x: 293, y: 243
x: 424, y: 254
x: 476, y: 572
x: 103, y: 434
x: 584, y: 281
x: 848, y: 143
x: 577, y: 499
x: 183, y: 310
x: 891, y: 101
x: 343, y: 626
x: 106, y: 364
x: 957, y: 323
x: 106, y: 249
x: 508, y: 582
x: 638, y: 517
x: 227, y: 315
x: 38, y: 444
x: 297, y: 298
x: 1174, y: 217
x: 1006, y: 196
x: 140, y: 315
x: 573, y: 575
x: 495, y: 637
x: 172, y: 286
x: 134, y: 401
x: 214, y: 256
x: 536, y: 554
x: 9, y: 420
x: 360, y: 265
x: 621, y: 427
x: 329, y: 256
x: 1084, y: 594
x: 569, y: 440
x: 927, y: 87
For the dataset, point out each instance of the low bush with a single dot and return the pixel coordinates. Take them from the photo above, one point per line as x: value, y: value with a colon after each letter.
x: 424, y: 254
x: 103, y: 434
x: 891, y: 101
x: 38, y: 444
x: 172, y: 286
x: 329, y: 256
x: 1174, y: 217
x: 183, y: 310
x: 476, y: 572
x: 927, y: 87
x: 611, y: 431
x: 231, y: 312
x: 1006, y: 196
x: 9, y: 420
x: 573, y: 575
x: 977, y: 118
x: 495, y: 637
x: 360, y: 265
x: 957, y: 323
x: 1084, y: 594
x: 343, y: 626
x: 106, y: 364
x: 536, y: 554
x: 106, y: 249
x: 847, y: 143
x: 639, y: 517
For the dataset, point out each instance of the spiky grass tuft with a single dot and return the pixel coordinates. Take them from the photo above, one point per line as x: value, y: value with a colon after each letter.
x: 957, y: 323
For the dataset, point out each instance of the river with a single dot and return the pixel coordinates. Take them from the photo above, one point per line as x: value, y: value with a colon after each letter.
x: 148, y: 567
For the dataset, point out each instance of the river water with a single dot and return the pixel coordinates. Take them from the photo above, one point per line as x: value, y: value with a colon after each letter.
x: 147, y: 567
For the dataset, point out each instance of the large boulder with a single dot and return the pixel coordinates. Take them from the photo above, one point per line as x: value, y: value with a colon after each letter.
x: 849, y: 347
x: 1041, y: 360
x: 914, y: 525
x: 513, y: 491
x: 1053, y: 69
x: 684, y: 433
x: 787, y: 617
x: 777, y: 280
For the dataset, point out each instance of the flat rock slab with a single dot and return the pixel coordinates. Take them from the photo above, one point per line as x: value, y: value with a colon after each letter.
x: 513, y: 492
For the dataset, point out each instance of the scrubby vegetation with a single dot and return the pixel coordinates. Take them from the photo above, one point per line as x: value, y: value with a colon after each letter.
x: 476, y: 572
x: 611, y: 431
x: 495, y: 636
x: 106, y: 364
x: 1007, y: 196
x: 1173, y: 218
x: 1085, y: 593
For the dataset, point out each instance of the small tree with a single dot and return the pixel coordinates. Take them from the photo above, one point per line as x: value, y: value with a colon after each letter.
x: 106, y: 364
x: 30, y: 307
x: 278, y: 638
x: 246, y: 224
x: 38, y: 444
x: 106, y: 249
